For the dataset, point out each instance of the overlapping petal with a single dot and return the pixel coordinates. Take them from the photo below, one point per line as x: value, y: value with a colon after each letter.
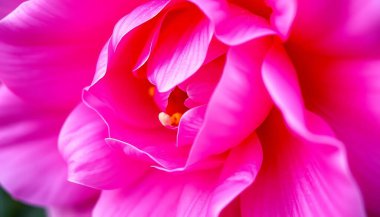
x: 91, y: 161
x: 240, y: 98
x: 348, y: 28
x: 181, y: 49
x: 200, y: 193
x: 300, y: 177
x: 234, y: 25
x: 32, y: 168
x: 345, y: 92
x: 38, y: 60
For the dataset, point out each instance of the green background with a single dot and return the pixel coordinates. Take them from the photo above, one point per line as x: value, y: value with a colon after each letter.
x: 12, y: 208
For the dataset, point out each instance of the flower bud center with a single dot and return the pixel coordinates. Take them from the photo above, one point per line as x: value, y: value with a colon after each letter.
x: 175, y: 107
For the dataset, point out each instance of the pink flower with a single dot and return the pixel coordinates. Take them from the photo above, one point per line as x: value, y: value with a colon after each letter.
x: 196, y: 108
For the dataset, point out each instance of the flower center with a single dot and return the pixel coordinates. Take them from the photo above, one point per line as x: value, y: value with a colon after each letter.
x: 175, y: 108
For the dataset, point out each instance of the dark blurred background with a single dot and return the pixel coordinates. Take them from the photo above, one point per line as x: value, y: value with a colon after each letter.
x: 12, y: 208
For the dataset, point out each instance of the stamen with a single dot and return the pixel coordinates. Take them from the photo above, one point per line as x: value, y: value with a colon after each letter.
x: 169, y: 121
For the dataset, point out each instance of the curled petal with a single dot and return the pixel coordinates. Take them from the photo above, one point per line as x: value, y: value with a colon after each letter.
x: 201, y: 193
x: 91, y: 161
x: 300, y: 177
x: 240, y: 98
x: 181, y: 49
x: 32, y: 169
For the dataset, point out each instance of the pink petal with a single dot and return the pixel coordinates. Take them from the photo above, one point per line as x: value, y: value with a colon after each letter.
x: 82, y: 210
x: 32, y: 169
x: 202, y: 84
x: 283, y: 15
x: 121, y: 96
x: 240, y: 98
x: 189, y: 125
x: 299, y: 177
x: 91, y: 161
x: 38, y: 60
x: 348, y: 28
x: 181, y: 49
x: 202, y: 193
x: 234, y: 25
x: 147, y: 15
x: 156, y: 146
x: 346, y: 93
x: 8, y: 6
x: 281, y: 81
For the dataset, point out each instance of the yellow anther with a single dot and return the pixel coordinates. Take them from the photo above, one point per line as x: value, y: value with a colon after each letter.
x: 151, y: 91
x: 170, y: 121
x: 175, y: 118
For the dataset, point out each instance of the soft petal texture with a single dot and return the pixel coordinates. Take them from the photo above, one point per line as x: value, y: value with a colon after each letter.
x: 8, y: 6
x: 90, y: 160
x: 181, y: 49
x: 141, y: 16
x: 346, y: 93
x: 234, y: 25
x: 38, y: 60
x: 160, y: 146
x: 240, y: 98
x: 283, y: 15
x: 32, y: 168
x: 82, y: 210
x: 201, y: 85
x: 281, y: 81
x: 189, y: 125
x: 202, y: 193
x: 347, y: 28
x: 119, y: 96
x: 299, y: 177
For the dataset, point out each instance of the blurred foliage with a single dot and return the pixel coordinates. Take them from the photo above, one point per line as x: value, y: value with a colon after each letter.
x: 12, y: 208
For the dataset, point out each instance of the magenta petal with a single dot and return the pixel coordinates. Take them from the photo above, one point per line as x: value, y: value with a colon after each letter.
x: 281, y: 81
x: 8, y: 6
x: 32, y: 169
x: 91, y: 161
x: 82, y: 210
x: 299, y: 177
x: 202, y: 193
x: 234, y: 25
x: 240, y: 98
x: 38, y: 60
x: 348, y: 28
x: 347, y: 94
x: 181, y: 49
x: 202, y: 84
x: 190, y: 124
x: 283, y: 15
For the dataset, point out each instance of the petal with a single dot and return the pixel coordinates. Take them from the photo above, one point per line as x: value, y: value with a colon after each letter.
x: 348, y: 28
x: 280, y: 79
x: 181, y: 49
x: 201, y: 85
x: 38, y: 61
x: 346, y: 93
x: 234, y: 25
x: 202, y: 193
x: 91, y: 161
x: 156, y: 145
x: 32, y: 169
x: 8, y: 6
x: 119, y: 96
x: 240, y: 98
x: 283, y: 15
x: 82, y: 210
x: 189, y: 125
x: 299, y: 177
